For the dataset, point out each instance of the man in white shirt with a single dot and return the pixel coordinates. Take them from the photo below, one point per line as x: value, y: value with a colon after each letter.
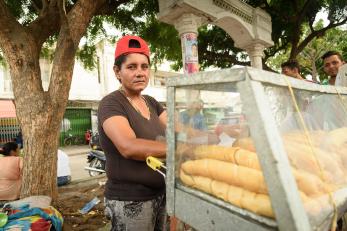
x: 64, y: 172
x: 341, y: 78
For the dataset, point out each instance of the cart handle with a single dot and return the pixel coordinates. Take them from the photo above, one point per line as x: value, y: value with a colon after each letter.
x: 154, y: 163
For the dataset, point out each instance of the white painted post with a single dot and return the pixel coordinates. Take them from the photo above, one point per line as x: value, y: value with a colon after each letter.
x: 255, y: 52
x: 187, y: 27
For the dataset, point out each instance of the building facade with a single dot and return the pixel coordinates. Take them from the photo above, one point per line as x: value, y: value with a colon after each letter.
x: 87, y: 89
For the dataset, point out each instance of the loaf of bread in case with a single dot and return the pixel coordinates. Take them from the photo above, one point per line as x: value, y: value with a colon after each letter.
x: 310, y: 184
x: 247, y: 178
x: 235, y: 155
x: 257, y: 203
x: 245, y: 143
x: 242, y: 198
x: 251, y: 179
x: 329, y: 165
x: 336, y: 137
x: 315, y: 161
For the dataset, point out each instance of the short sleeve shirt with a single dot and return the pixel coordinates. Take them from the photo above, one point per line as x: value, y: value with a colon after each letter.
x: 130, y: 180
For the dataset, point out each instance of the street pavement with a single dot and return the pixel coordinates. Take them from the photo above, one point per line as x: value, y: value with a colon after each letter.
x: 73, y: 150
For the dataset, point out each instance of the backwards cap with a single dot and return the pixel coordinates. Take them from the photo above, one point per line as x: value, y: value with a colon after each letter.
x: 123, y: 46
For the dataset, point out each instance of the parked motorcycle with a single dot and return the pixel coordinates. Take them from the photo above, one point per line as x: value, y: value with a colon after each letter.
x: 97, y: 161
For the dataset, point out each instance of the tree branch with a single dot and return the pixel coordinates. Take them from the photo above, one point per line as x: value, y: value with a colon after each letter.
x: 35, y: 6
x: 317, y: 33
x: 44, y: 4
x: 303, y: 11
x: 11, y: 33
x: 297, y: 23
x: 47, y: 23
x: 109, y: 8
x: 73, y: 27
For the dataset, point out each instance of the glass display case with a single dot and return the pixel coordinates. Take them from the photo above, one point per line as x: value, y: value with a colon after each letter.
x: 254, y: 150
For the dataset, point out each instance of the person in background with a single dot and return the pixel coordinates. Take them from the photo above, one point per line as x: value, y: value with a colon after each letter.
x: 10, y: 149
x: 63, y: 169
x: 10, y: 172
x: 292, y: 68
x: 193, y: 117
x: 19, y: 139
x: 332, y: 61
x: 129, y: 124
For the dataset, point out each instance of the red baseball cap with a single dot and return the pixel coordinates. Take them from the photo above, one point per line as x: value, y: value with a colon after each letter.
x: 123, y: 46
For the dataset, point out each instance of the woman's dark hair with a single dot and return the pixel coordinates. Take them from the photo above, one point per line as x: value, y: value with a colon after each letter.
x: 331, y: 53
x: 8, y: 147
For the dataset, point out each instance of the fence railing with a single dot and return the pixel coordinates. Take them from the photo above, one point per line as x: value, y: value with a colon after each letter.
x: 73, y: 127
x: 9, y: 129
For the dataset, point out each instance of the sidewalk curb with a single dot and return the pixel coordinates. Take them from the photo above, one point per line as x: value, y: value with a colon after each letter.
x: 85, y: 181
x: 77, y: 153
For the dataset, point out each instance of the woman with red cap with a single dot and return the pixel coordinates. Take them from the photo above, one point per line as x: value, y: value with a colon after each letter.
x: 129, y: 125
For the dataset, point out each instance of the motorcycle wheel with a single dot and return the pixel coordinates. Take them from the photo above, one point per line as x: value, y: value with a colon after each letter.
x: 67, y: 141
x: 95, y: 163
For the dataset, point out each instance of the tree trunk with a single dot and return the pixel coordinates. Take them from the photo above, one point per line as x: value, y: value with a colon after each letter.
x: 40, y: 150
x: 314, y: 71
x: 39, y: 117
x: 39, y: 112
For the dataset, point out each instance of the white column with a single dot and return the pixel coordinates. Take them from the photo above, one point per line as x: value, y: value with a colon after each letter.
x: 255, y: 52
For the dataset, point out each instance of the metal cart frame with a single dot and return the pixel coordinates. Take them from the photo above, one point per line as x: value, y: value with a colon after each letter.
x: 205, y: 212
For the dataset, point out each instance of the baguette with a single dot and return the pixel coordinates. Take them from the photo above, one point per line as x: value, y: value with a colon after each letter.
x: 245, y: 143
x: 247, y: 178
x: 230, y: 154
x: 310, y: 184
x: 242, y: 198
x: 302, y: 158
x: 257, y: 203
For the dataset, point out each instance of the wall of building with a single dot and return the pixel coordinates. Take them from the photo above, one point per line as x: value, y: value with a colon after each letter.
x: 88, y: 87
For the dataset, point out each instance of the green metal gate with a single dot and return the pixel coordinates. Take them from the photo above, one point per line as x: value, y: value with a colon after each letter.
x: 74, y: 126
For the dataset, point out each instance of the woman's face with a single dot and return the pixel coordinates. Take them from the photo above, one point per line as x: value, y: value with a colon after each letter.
x: 134, y: 72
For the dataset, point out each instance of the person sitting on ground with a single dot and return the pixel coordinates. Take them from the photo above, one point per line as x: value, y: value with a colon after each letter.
x: 332, y: 61
x: 10, y: 172
x: 10, y: 149
x: 64, y: 172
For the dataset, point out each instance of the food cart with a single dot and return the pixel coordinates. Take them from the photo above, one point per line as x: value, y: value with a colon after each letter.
x: 283, y: 170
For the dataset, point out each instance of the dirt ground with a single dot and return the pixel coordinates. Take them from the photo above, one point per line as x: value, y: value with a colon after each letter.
x: 74, y: 196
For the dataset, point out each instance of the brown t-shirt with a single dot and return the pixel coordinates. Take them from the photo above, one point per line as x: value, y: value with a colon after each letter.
x: 130, y: 180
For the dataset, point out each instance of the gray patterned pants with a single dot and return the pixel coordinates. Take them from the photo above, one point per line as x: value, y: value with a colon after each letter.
x: 137, y: 215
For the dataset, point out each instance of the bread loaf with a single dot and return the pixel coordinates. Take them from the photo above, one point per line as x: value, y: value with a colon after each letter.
x: 257, y: 203
x: 302, y: 158
x: 336, y: 137
x: 230, y: 154
x: 245, y: 143
x: 310, y: 184
x: 247, y: 178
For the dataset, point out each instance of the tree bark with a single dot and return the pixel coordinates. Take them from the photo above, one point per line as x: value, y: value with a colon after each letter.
x: 39, y: 112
